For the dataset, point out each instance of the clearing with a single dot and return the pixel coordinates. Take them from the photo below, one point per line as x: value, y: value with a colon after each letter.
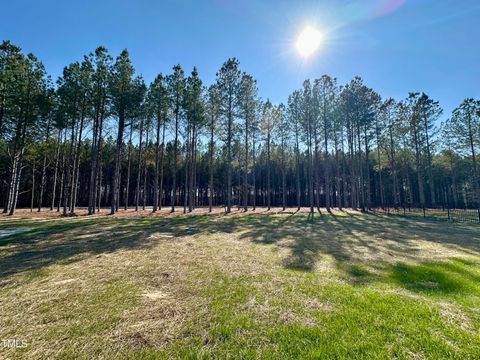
x: 255, y: 285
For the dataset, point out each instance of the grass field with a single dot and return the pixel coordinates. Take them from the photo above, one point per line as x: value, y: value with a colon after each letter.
x: 273, y: 286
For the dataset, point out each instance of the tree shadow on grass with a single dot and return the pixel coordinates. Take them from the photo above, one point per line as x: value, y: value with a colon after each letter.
x: 433, y: 278
x: 366, y: 249
x: 357, y: 274
x: 73, y: 240
x: 359, y: 240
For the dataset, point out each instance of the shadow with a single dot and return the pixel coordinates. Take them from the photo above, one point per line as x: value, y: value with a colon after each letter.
x: 67, y: 241
x: 357, y: 274
x: 355, y: 242
x: 430, y: 278
x: 357, y: 237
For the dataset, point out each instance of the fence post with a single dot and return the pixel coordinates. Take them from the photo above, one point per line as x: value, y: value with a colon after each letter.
x: 404, y: 214
x: 448, y: 212
x: 424, y: 211
x: 478, y: 211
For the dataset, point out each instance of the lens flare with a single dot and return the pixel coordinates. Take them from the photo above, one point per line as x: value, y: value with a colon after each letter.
x: 388, y: 6
x: 361, y: 10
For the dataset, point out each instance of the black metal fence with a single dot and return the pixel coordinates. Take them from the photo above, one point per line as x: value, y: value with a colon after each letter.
x: 442, y: 213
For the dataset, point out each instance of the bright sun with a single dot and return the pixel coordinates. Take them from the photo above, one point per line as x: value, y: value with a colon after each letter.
x: 308, y: 41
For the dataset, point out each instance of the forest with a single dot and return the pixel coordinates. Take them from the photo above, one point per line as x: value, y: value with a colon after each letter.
x: 100, y: 136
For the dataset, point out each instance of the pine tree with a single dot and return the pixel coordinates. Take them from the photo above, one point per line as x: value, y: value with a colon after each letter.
x: 213, y: 113
x: 176, y: 88
x: 228, y: 81
x: 101, y: 62
x: 122, y: 87
x: 295, y: 117
x: 248, y: 103
x: 465, y: 126
x: 159, y: 105
x: 22, y: 80
x: 195, y: 116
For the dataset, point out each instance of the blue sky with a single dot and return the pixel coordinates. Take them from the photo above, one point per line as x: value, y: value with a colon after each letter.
x: 397, y: 46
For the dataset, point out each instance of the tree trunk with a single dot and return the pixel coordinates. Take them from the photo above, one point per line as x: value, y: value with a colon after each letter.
x: 95, y: 160
x: 62, y: 178
x: 229, y: 153
x: 327, y: 170
x: 316, y: 168
x: 157, y: 165
x: 268, y: 170
x: 476, y: 182
x: 33, y: 186
x: 144, y: 193
x: 210, y: 198
x: 139, y: 167
x: 69, y: 171
x: 77, y: 167
x: 284, y: 189
x: 245, y: 167
x: 187, y: 159
x: 129, y: 160
x: 297, y: 166
x: 44, y: 169
x: 118, y: 159
x: 421, y: 192
x: 393, y: 164
x: 454, y: 183
x: 310, y: 167
x: 368, y: 195
x: 19, y: 148
x: 191, y: 202
x: 16, y: 183
x: 174, y: 170
x: 338, y: 196
x: 99, y: 184
x: 57, y: 157
x: 161, y: 166
x: 254, y: 180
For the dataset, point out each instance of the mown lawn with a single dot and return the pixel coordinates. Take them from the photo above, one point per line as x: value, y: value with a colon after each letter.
x: 288, y: 286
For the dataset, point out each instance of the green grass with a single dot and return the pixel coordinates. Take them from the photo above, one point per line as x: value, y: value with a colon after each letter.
x: 335, y: 286
x: 357, y: 322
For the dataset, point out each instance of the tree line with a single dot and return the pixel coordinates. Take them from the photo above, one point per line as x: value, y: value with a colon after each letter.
x: 99, y: 136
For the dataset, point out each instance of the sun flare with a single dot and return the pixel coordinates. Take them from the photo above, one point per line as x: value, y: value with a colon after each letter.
x: 308, y: 41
